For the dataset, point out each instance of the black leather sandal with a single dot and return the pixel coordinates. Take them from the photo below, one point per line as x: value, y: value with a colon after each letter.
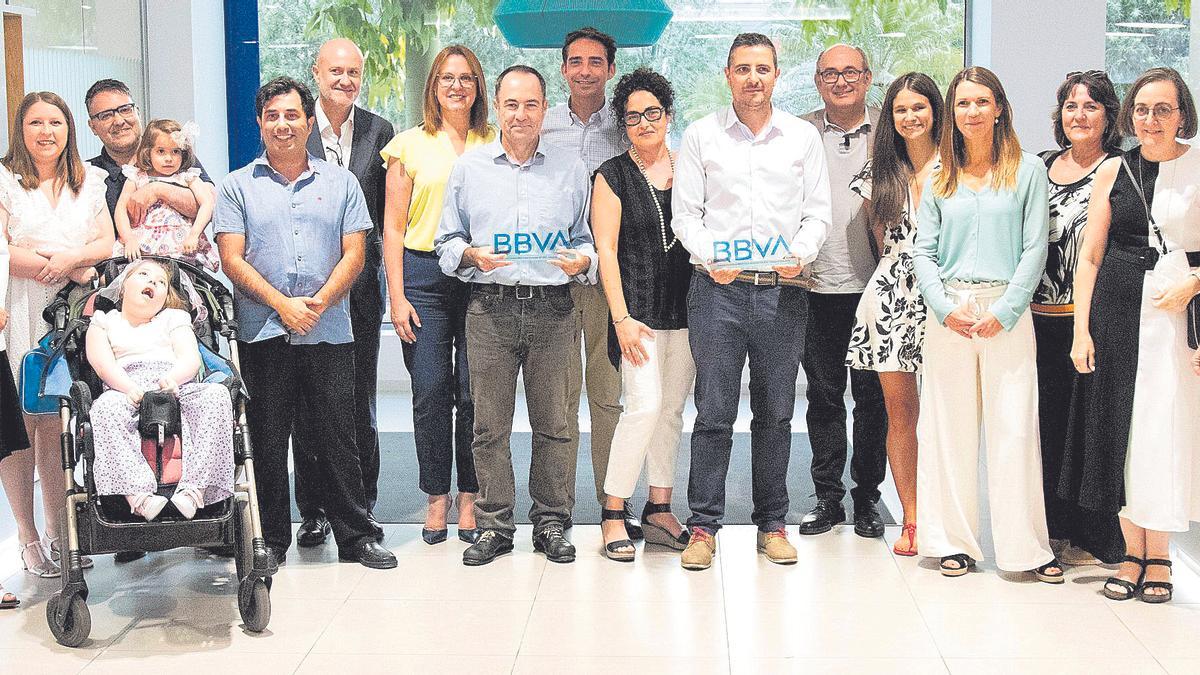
x: 659, y: 535
x: 1046, y: 577
x: 1130, y: 588
x: 965, y: 563
x: 1157, y: 598
x: 613, y: 551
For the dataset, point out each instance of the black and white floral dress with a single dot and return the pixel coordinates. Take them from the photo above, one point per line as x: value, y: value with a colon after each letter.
x: 889, y: 326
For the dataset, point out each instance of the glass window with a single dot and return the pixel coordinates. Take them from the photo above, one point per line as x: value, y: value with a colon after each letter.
x: 1141, y: 34
x: 70, y: 44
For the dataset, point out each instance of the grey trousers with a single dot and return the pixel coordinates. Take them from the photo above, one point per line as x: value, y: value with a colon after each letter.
x: 534, y: 338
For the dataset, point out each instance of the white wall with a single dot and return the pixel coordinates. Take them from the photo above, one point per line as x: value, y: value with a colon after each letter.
x: 185, y: 50
x: 1031, y: 45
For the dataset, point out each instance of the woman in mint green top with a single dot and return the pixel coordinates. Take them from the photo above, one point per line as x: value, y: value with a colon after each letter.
x: 982, y: 231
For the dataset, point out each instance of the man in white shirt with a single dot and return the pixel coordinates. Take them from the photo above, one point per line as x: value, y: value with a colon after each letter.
x: 841, y: 273
x: 751, y: 205
x: 586, y: 126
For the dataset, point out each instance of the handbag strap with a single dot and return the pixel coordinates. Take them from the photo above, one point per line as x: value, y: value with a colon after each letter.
x: 1162, y: 244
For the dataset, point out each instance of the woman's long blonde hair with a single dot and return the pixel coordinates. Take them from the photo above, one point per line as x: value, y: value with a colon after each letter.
x: 1006, y: 148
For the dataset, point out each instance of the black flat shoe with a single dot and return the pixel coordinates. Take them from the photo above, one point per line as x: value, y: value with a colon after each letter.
x: 470, y: 536
x: 867, y: 521
x: 432, y: 537
x: 658, y: 535
x: 369, y: 554
x: 612, y: 550
x: 550, y: 540
x: 313, y: 532
x: 1045, y: 576
x: 490, y: 546
x: 823, y: 517
x: 278, y: 555
x: 128, y: 556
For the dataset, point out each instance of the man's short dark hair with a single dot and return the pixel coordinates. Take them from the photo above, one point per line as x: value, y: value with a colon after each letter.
x: 752, y: 40
x: 281, y: 86
x: 102, y: 86
x: 589, y: 33
x: 521, y: 68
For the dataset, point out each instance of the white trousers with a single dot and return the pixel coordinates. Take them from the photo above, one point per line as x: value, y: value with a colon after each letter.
x: 968, y: 383
x: 649, y: 428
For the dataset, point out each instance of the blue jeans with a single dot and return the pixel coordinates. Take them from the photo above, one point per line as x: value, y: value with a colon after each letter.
x: 443, y: 413
x: 727, y: 324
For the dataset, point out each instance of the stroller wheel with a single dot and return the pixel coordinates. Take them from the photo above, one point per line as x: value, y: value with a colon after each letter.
x: 75, y: 625
x: 254, y: 604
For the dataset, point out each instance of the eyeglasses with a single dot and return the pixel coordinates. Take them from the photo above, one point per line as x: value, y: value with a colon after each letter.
x: 127, y: 111
x: 447, y: 80
x: 850, y: 75
x: 633, y: 118
x: 1162, y: 111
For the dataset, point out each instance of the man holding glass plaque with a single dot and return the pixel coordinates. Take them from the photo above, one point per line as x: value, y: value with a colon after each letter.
x: 751, y: 204
x: 514, y: 225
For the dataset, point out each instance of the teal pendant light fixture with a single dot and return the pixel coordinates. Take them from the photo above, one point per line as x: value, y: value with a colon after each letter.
x: 544, y: 23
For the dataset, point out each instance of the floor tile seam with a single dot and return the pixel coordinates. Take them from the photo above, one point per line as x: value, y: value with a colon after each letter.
x: 1112, y: 608
x: 921, y: 613
x: 528, y: 617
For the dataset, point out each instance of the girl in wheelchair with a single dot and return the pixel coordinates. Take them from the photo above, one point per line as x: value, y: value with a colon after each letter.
x: 148, y: 344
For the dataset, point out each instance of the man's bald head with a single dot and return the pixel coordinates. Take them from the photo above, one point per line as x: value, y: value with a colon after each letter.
x: 338, y: 74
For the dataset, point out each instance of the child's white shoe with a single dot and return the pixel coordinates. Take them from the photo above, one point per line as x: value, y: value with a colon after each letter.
x: 147, y: 506
x: 188, y: 501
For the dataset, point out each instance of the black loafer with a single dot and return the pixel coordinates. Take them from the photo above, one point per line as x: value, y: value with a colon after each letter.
x: 823, y: 517
x: 313, y: 532
x: 550, y: 540
x: 128, y: 556
x: 632, y: 527
x: 490, y: 546
x: 867, y: 522
x: 376, y: 526
x: 369, y: 554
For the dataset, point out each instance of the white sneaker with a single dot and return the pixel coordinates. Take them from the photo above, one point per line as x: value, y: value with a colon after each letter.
x: 187, y: 500
x: 147, y: 506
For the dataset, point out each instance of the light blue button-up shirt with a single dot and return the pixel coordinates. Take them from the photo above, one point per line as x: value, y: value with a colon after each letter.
x: 293, y: 239
x: 489, y: 194
x: 985, y: 236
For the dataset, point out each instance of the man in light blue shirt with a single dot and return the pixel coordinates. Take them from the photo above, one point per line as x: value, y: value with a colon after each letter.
x: 519, y: 234
x: 291, y: 229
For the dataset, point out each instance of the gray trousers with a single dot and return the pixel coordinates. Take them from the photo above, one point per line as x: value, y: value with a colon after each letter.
x: 535, y: 337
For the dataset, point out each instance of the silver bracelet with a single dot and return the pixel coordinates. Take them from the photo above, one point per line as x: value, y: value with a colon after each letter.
x: 621, y: 319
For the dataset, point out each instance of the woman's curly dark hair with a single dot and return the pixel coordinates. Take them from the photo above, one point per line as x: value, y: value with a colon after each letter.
x: 643, y: 79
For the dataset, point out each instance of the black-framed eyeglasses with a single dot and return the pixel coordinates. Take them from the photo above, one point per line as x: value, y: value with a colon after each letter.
x: 633, y: 118
x: 447, y: 80
x: 850, y: 75
x: 127, y: 111
x: 1161, y: 111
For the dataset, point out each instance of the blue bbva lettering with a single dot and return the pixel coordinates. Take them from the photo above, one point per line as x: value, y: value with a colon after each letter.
x: 750, y: 249
x: 522, y: 243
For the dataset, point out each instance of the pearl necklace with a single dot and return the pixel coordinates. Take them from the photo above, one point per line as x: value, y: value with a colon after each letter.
x: 662, y: 221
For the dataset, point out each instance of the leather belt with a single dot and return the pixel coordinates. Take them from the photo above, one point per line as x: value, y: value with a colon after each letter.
x: 769, y: 278
x: 521, y: 292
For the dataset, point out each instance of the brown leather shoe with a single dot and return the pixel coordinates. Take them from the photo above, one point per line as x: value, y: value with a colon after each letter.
x: 777, y: 547
x: 701, y: 548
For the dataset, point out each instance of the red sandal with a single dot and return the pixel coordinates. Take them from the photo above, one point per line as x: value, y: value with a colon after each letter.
x: 909, y: 530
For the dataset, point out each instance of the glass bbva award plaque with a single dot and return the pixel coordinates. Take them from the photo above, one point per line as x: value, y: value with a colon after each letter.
x: 530, y: 246
x: 761, y: 255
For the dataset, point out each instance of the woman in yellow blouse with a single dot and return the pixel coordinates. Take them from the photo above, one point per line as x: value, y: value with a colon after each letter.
x: 428, y: 308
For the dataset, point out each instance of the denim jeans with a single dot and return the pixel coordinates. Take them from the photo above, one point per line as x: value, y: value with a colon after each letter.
x: 830, y: 323
x: 533, y: 338
x: 443, y: 413
x: 728, y: 324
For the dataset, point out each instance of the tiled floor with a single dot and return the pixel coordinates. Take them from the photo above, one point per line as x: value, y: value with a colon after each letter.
x: 848, y: 606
